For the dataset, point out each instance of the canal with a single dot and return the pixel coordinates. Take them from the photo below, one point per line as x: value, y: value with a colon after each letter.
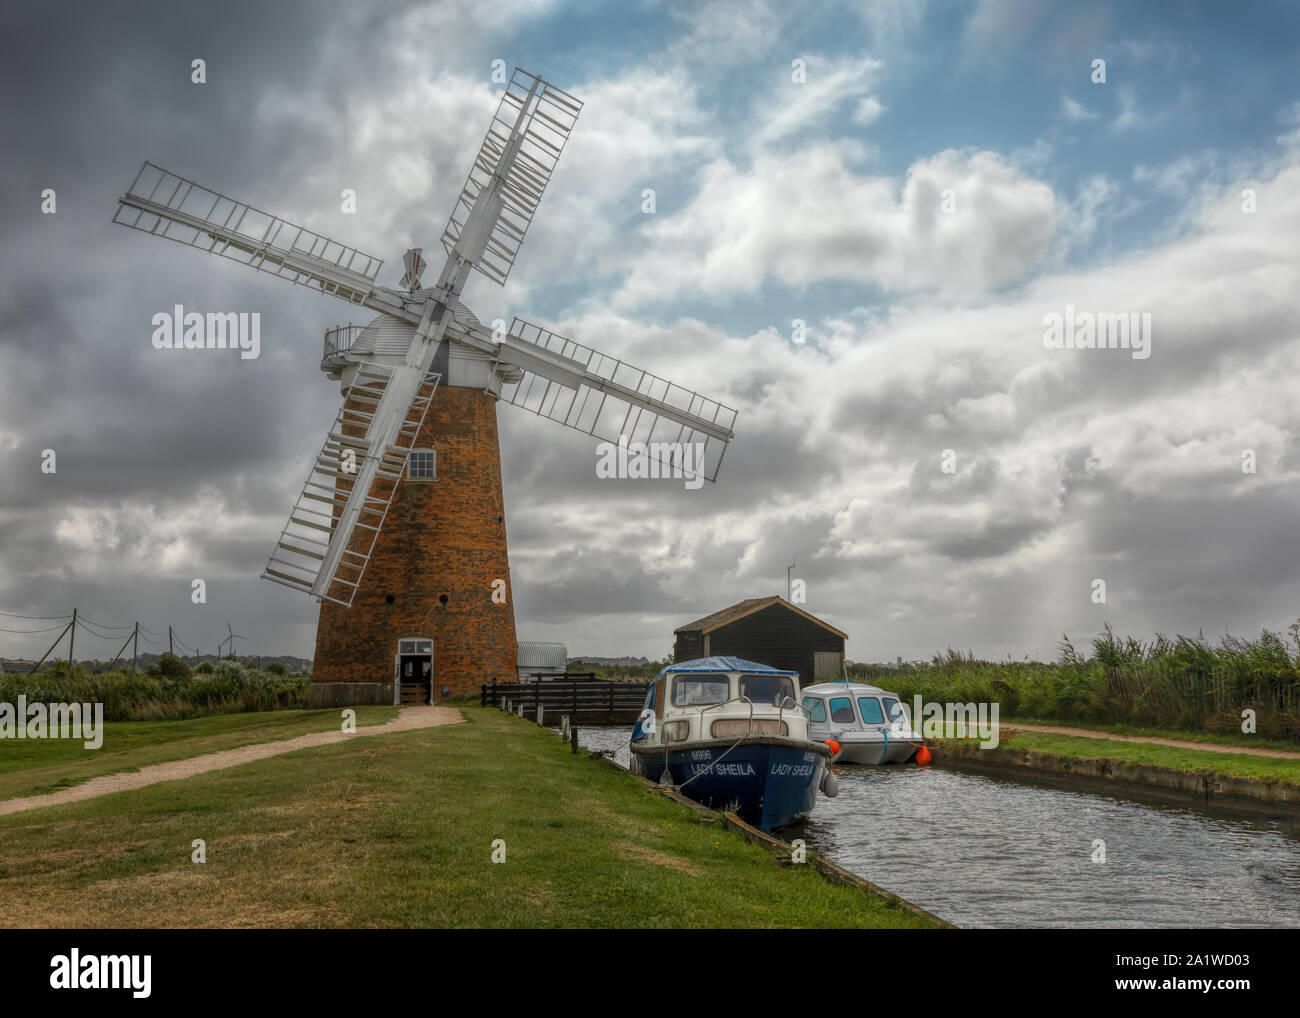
x: 992, y: 852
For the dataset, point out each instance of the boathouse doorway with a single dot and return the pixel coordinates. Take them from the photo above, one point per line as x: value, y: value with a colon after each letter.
x: 414, y: 679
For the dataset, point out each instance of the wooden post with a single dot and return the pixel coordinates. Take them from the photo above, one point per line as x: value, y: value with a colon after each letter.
x: 135, y: 646
x: 573, y: 739
x: 72, y: 638
x: 56, y: 642
x: 540, y: 714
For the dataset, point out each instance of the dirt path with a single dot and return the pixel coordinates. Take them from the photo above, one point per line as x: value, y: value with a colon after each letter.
x: 408, y: 718
x: 1088, y: 733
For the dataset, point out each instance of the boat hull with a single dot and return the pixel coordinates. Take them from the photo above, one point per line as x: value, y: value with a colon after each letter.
x: 869, y: 748
x: 771, y: 782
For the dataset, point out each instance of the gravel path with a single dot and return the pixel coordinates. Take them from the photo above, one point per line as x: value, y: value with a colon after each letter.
x: 408, y: 718
x: 1209, y: 747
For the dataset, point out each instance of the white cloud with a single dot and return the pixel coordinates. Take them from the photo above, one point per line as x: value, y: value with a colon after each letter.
x: 792, y: 108
x: 809, y: 218
x: 1129, y: 116
x: 1072, y: 110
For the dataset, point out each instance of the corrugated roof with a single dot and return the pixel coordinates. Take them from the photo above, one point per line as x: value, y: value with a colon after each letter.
x: 748, y: 607
x: 542, y: 655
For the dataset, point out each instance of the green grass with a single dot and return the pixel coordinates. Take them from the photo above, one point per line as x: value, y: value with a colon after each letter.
x: 1138, y: 731
x: 398, y: 830
x: 1174, y: 757
x: 33, y: 766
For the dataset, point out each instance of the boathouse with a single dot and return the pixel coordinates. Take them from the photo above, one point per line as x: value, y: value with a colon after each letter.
x: 771, y: 631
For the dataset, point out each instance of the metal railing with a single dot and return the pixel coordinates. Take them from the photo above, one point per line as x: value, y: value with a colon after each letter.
x: 339, y: 340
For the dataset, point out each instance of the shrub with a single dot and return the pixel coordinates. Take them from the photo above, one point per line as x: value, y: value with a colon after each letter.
x: 169, y: 666
x: 1181, y: 683
x: 129, y: 696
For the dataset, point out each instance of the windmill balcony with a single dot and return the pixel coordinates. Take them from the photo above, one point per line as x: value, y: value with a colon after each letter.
x: 338, y: 341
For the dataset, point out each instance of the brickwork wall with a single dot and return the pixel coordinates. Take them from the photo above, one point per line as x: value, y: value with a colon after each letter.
x: 445, y: 537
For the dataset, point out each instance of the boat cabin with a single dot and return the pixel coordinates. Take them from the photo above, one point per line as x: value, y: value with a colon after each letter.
x: 719, y: 698
x: 871, y: 725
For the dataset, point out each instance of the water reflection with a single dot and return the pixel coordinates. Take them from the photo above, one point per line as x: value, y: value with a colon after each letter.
x: 991, y: 852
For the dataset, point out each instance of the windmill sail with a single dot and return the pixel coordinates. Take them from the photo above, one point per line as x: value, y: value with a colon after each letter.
x: 331, y: 532
x: 166, y: 205
x: 584, y: 389
x: 523, y: 142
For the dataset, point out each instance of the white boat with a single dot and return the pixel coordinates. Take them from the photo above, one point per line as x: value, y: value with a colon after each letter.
x: 870, y: 724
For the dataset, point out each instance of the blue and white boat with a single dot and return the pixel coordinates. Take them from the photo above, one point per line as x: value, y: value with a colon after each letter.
x: 731, y: 734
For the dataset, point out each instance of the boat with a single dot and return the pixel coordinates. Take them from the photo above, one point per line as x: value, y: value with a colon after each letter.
x: 870, y: 724
x: 730, y: 734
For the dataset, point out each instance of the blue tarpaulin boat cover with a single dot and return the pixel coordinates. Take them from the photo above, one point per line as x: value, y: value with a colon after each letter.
x: 722, y: 664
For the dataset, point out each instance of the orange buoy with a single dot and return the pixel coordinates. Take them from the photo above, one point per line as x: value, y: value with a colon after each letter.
x: 924, y: 756
x: 835, y: 748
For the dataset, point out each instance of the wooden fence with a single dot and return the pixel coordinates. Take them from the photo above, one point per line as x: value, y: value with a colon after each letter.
x: 584, y: 702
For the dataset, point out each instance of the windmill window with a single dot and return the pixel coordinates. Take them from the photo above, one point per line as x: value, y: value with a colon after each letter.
x: 423, y: 465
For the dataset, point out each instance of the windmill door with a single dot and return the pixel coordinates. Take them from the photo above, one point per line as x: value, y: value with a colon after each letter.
x: 415, y: 670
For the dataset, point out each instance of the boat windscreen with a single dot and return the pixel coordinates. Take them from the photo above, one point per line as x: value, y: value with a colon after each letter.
x: 699, y: 690
x: 896, y: 712
x: 770, y: 690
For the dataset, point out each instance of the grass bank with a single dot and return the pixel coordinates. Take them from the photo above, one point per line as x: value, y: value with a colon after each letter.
x: 398, y: 830
x: 35, y: 766
x: 1194, y: 761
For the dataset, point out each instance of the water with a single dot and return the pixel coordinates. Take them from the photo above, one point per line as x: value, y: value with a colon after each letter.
x: 992, y: 852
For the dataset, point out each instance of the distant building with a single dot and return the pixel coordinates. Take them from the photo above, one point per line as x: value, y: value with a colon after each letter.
x: 541, y: 660
x: 771, y: 631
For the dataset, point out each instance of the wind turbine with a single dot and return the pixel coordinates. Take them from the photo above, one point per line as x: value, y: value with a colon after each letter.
x: 229, y: 640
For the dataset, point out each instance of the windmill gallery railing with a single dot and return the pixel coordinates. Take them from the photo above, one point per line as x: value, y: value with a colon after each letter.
x: 584, y: 702
x: 338, y: 341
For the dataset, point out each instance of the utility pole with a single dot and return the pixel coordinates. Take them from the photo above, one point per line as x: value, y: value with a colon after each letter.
x: 57, y: 640
x: 169, y: 641
x: 135, y: 645
x: 72, y: 635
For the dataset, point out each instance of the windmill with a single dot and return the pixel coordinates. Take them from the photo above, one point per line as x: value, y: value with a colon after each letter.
x: 399, y: 530
x: 229, y: 640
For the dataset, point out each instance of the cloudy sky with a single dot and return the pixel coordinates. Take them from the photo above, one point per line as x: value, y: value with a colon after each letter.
x: 944, y: 177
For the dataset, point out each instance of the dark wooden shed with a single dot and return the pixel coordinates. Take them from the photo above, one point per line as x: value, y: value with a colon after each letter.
x: 771, y: 631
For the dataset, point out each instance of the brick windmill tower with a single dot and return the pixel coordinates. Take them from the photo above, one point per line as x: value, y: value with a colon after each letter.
x: 399, y: 530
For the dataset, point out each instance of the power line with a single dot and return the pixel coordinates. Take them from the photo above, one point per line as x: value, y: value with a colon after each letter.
x: 15, y: 615
x: 29, y: 632
x: 95, y: 630
x: 82, y: 618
